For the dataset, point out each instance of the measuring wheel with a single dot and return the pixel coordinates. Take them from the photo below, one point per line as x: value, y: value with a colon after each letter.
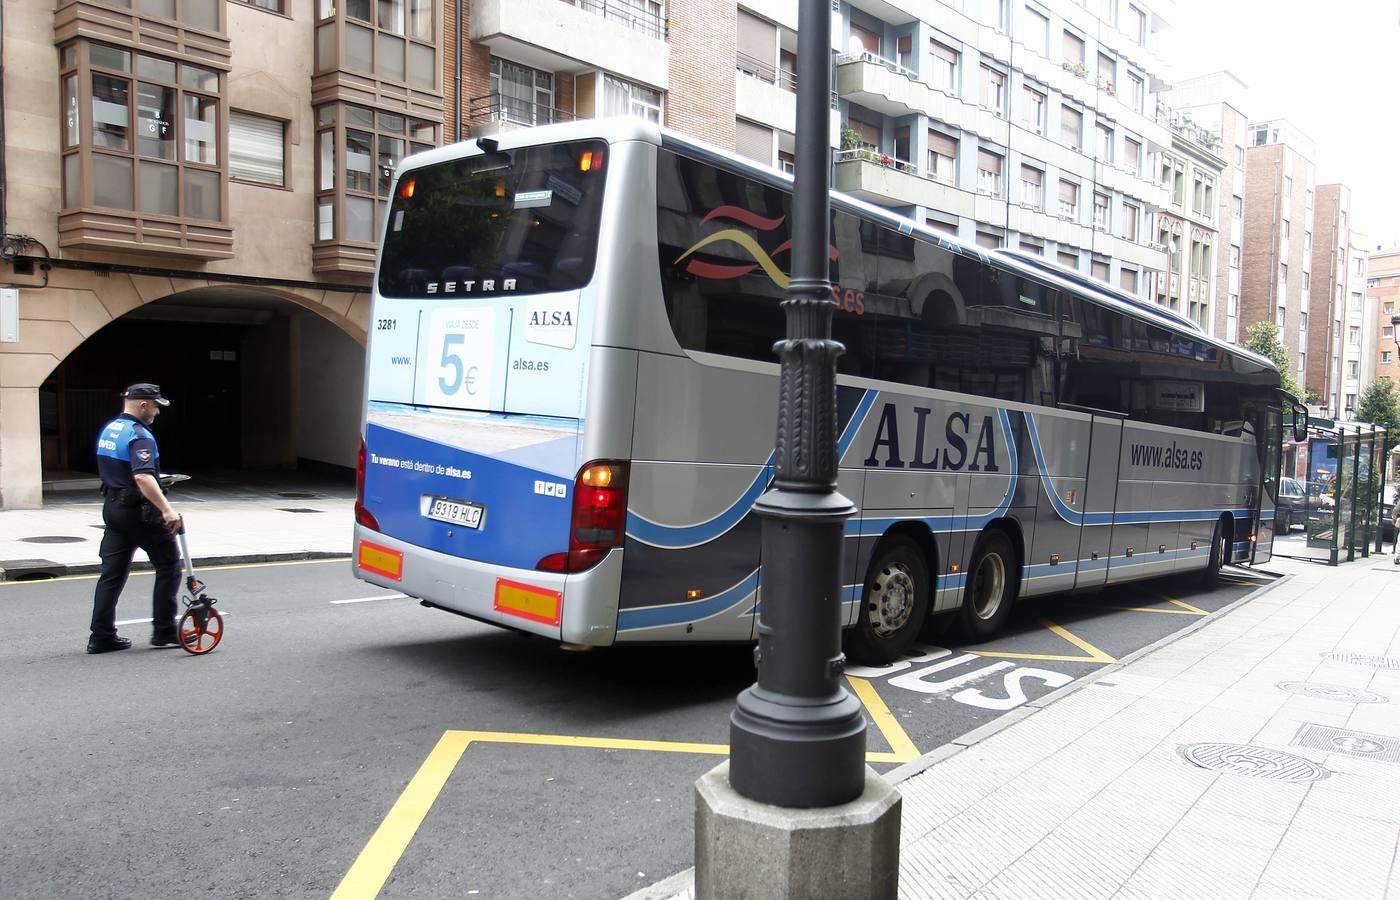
x: 201, y: 627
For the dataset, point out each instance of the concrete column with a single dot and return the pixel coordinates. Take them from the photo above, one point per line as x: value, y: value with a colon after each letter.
x: 20, y: 477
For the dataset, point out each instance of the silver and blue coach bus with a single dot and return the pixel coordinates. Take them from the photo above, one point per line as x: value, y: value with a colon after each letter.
x: 571, y: 394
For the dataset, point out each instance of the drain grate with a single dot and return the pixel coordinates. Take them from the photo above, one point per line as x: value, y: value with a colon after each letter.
x: 54, y: 539
x: 298, y: 509
x: 1351, y: 743
x: 1319, y: 691
x: 1255, y: 762
x: 1364, y: 659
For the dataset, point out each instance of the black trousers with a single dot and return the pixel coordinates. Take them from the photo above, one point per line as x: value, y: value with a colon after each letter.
x: 125, y: 532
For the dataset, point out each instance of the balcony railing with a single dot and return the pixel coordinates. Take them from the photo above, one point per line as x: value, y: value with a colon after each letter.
x: 765, y: 71
x: 875, y: 156
x: 638, y: 15
x: 867, y: 56
x: 1068, y: 210
x: 504, y: 110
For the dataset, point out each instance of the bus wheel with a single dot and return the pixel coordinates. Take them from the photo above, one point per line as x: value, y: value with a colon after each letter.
x: 1219, y: 552
x: 893, y: 605
x: 991, y: 588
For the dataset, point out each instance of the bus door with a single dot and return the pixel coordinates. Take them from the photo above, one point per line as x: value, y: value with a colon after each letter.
x: 1267, y: 419
x: 1100, y: 497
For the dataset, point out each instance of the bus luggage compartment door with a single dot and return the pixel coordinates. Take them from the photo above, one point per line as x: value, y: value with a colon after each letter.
x: 1100, y: 498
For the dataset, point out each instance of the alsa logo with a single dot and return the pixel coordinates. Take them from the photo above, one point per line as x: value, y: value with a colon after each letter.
x: 551, y: 317
x: 949, y: 453
x: 551, y: 488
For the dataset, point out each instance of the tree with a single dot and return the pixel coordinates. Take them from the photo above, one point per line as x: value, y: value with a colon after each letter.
x: 1380, y: 405
x: 1262, y: 338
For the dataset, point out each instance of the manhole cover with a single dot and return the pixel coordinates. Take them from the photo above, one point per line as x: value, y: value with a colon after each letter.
x: 296, y: 495
x: 1351, y: 743
x: 1364, y: 659
x: 1320, y: 691
x: 54, y: 539
x: 298, y: 509
x: 1256, y: 762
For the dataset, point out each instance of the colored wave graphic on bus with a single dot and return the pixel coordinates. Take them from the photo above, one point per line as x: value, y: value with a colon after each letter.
x: 762, y: 259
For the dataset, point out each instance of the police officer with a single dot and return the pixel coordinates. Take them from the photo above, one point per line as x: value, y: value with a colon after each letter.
x: 136, y: 514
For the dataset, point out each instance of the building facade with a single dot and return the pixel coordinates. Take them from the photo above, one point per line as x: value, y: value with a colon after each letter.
x: 1356, y: 358
x: 1190, y: 171
x: 1383, y: 287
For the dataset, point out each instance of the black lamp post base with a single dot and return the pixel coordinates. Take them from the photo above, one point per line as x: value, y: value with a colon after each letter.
x: 800, y: 757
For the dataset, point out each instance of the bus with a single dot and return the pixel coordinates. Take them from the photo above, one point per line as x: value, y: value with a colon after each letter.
x: 571, y: 396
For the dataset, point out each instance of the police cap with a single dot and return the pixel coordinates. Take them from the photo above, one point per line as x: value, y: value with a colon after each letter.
x: 144, y: 391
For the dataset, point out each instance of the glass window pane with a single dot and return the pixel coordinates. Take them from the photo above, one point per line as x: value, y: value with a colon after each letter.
x: 198, y: 78
x: 325, y: 221
x: 390, y: 57
x: 391, y: 123
x: 325, y: 48
x: 155, y: 68
x: 421, y: 19
x: 358, y: 162
x: 390, y: 152
x: 68, y: 57
x: 357, y: 9
x: 422, y: 131
x: 163, y: 8
x: 111, y: 181
x: 325, y: 115
x: 359, y: 49
x: 110, y: 57
x: 359, y: 116
x: 422, y: 66
x: 325, y: 181
x: 325, y: 9
x: 201, y: 194
x: 160, y: 189
x: 155, y: 121
x: 391, y: 16
x: 70, y: 111
x: 111, y: 119
x: 200, y: 13
x: 72, y: 185
x: 255, y: 148
x: 359, y: 219
x: 201, y: 130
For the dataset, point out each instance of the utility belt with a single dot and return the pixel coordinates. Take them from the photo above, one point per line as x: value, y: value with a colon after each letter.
x: 124, y: 496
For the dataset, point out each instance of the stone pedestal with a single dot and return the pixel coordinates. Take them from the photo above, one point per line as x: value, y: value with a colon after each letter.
x: 745, y: 849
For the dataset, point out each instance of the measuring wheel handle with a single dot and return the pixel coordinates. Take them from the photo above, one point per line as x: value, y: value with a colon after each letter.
x: 201, y: 627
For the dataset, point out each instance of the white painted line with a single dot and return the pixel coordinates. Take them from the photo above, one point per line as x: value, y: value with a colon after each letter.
x: 369, y: 599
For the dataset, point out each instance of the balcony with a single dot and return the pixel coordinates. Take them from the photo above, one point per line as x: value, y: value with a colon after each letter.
x: 880, y: 178
x: 766, y: 72
x: 497, y: 112
x: 624, y: 37
x: 886, y: 87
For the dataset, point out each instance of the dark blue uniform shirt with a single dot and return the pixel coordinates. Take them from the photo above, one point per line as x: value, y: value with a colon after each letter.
x: 126, y: 448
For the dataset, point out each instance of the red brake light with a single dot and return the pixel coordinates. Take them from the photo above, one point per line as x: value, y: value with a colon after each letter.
x: 590, y: 161
x: 406, y: 189
x: 597, y: 521
x: 362, y: 515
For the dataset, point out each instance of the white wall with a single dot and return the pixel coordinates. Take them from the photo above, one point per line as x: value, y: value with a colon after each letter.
x: 331, y: 374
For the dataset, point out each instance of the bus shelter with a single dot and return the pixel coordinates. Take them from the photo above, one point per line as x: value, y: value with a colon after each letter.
x: 1335, y: 495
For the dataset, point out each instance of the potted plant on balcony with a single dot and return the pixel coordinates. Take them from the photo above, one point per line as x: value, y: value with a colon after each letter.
x: 1076, y: 68
x: 850, y: 138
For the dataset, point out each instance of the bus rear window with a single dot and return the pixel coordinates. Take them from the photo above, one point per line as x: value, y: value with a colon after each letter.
x: 516, y: 221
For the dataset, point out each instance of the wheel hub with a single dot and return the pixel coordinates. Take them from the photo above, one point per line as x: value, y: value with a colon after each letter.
x: 891, y: 600
x: 988, y: 586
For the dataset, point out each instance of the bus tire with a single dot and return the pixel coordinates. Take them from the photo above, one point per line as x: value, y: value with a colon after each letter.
x: 991, y: 587
x: 1210, y: 578
x: 893, y: 604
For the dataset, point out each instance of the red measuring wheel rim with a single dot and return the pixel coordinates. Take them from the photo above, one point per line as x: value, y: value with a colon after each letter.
x: 200, y: 639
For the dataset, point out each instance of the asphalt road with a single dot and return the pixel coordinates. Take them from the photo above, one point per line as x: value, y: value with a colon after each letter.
x: 266, y: 767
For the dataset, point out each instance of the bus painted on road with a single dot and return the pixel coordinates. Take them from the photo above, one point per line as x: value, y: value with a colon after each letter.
x: 571, y: 401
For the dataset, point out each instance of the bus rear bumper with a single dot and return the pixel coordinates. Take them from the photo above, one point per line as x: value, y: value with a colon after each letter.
x: 575, y: 609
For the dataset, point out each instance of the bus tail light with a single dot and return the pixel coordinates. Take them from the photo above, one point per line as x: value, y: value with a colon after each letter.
x: 362, y: 515
x: 598, y: 520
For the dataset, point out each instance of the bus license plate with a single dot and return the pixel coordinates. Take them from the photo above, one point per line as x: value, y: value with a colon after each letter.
x: 456, y: 512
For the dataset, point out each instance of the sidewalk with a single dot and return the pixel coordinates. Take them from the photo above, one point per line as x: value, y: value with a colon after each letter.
x: 261, y: 520
x: 1257, y: 756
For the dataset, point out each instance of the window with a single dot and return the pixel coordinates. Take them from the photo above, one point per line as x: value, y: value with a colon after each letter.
x: 1037, y: 32
x: 1282, y: 275
x: 993, y: 90
x: 1073, y: 49
x: 1128, y: 280
x: 1232, y: 304
x: 1239, y: 156
x: 1361, y: 267
x: 863, y: 39
x: 1234, y: 256
x: 1069, y: 200
x: 1286, y: 229
x: 994, y: 11
x: 256, y: 146
x: 623, y: 98
x: 1032, y: 187
x: 1137, y: 25
x: 1101, y: 211
x: 1351, y: 402
x: 1353, y: 369
x: 1034, y: 114
x: 197, y: 13
x: 1071, y: 127
x: 988, y: 239
x: 989, y: 173
x: 1236, y: 207
x: 1132, y: 154
x: 1308, y: 202
x: 1105, y: 144
x: 1137, y: 91
x: 943, y: 67
x: 753, y: 141
x: 155, y: 133
x: 1387, y: 356
x: 391, y: 39
x: 520, y: 94
x: 1031, y: 246
x: 357, y: 150
x: 1130, y: 221
x: 1068, y: 258
x: 950, y: 228
x: 1098, y: 267
x: 1108, y: 71
x: 1307, y: 243
x: 1390, y: 307
x: 1280, y: 314
x: 1354, y: 334
x: 270, y: 5
x: 942, y: 157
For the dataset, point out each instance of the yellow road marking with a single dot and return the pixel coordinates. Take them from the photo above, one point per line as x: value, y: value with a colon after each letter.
x: 1168, y: 612
x: 880, y: 714
x: 1094, y: 652
x: 148, y: 572
x: 1195, y: 610
x: 1095, y: 655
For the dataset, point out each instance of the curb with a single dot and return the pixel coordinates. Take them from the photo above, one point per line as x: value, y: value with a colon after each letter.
x: 43, y: 570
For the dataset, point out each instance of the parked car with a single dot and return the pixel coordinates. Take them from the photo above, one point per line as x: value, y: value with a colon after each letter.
x: 1387, y: 513
x: 1292, y: 505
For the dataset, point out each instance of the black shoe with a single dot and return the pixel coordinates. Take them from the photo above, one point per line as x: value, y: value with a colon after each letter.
x: 165, y: 639
x: 107, y: 645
